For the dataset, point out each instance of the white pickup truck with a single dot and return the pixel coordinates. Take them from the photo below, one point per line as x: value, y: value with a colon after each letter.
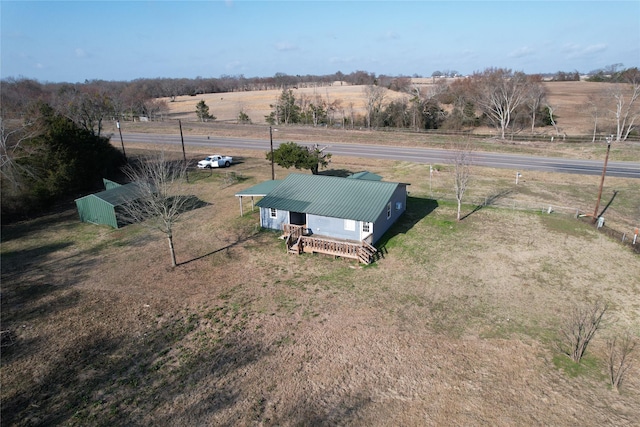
x: 215, y: 161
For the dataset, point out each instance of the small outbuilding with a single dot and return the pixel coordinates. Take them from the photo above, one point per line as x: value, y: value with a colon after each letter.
x: 105, y: 207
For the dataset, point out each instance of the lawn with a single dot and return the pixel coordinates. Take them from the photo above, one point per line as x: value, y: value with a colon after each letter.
x: 455, y: 324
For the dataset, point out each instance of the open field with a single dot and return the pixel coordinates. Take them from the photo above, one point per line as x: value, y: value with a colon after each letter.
x: 570, y: 101
x: 455, y: 325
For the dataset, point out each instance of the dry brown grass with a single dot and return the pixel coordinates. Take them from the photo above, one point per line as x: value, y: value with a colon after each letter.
x: 454, y: 326
x: 570, y: 101
x: 256, y: 104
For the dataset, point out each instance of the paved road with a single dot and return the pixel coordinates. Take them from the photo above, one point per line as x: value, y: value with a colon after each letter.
x: 408, y: 154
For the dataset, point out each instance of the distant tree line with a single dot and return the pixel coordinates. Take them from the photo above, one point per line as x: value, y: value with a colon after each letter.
x: 495, y: 97
x: 47, y: 127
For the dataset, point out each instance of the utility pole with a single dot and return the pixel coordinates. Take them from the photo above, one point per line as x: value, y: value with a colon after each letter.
x: 184, y: 155
x: 273, y: 172
x: 121, y: 141
x: 604, y: 171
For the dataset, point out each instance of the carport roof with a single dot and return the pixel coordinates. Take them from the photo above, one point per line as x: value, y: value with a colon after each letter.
x: 261, y: 189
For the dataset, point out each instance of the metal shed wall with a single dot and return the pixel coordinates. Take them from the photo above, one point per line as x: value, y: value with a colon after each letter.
x: 96, y: 211
x: 102, y: 208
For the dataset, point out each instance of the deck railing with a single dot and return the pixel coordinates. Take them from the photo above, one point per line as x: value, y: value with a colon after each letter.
x: 297, y: 242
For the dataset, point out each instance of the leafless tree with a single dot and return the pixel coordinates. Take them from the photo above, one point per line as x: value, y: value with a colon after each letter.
x: 11, y: 143
x: 619, y: 360
x: 86, y: 105
x: 462, y: 160
x: 626, y: 108
x: 534, y: 99
x: 595, y: 110
x: 159, y: 200
x: 374, y: 96
x: 551, y: 110
x: 501, y: 93
x: 578, y: 329
x: 352, y: 115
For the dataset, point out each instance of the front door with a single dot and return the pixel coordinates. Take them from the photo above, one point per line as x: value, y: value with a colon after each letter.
x: 297, y: 218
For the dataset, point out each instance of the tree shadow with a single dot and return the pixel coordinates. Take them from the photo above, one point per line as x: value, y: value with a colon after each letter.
x: 59, y: 217
x: 111, y: 378
x: 342, y: 173
x: 240, y: 237
x: 489, y: 201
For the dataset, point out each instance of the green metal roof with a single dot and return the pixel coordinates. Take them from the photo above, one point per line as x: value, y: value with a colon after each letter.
x: 119, y: 195
x: 357, y: 199
x: 261, y: 189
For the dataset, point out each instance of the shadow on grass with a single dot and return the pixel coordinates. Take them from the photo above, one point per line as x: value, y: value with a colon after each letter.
x: 240, y: 237
x: 417, y: 209
x: 114, y: 378
x: 66, y: 217
x: 489, y: 201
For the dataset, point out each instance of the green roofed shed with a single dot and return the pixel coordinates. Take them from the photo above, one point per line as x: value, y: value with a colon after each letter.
x: 102, y: 208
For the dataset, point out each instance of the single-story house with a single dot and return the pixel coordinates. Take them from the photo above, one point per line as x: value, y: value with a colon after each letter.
x: 359, y: 209
x: 104, y: 207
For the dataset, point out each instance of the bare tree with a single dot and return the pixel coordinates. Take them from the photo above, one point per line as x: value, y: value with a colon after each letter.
x: 374, y: 96
x: 501, y: 93
x: 626, y: 108
x: 534, y: 99
x: 11, y: 142
x: 594, y: 109
x: 551, y: 109
x: 618, y: 361
x: 461, y: 171
x: 579, y: 328
x: 159, y: 200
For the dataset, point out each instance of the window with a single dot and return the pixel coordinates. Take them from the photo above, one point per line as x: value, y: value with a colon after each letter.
x: 388, y: 210
x: 366, y: 227
x: 273, y: 212
x: 398, y: 206
x: 349, y: 225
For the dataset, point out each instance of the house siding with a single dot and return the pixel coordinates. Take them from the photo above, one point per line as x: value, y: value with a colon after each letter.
x: 282, y: 217
x: 360, y: 202
x: 332, y: 227
x: 383, y: 223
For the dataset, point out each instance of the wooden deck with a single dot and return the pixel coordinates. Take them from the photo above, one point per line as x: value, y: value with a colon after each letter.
x: 298, y: 241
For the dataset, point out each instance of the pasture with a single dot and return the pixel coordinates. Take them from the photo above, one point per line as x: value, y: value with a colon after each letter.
x: 455, y: 325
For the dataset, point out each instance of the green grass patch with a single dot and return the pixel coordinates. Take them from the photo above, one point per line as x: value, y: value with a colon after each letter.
x: 588, y: 366
x: 566, y: 225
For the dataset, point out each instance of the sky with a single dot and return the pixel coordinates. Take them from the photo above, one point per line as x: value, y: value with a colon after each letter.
x: 74, y: 41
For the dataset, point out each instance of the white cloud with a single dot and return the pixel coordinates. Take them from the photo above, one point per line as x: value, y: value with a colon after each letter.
x: 285, y: 46
x: 392, y: 35
x: 594, y: 48
x: 521, y: 52
x: 389, y: 35
x: 574, y: 50
x: 80, y: 53
x: 233, y: 65
x: 339, y: 60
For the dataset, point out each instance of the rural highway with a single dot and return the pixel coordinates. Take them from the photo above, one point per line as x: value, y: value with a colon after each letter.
x: 392, y: 153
